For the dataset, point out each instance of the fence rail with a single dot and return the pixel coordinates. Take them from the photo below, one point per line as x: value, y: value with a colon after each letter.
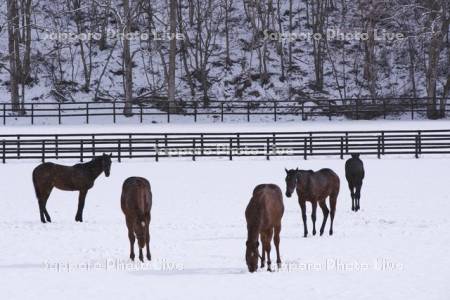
x: 226, y: 145
x: 145, y: 111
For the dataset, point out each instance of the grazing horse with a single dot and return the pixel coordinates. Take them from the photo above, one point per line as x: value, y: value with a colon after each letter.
x: 263, y: 215
x: 136, y: 203
x: 79, y: 177
x: 314, y: 187
x: 354, y: 172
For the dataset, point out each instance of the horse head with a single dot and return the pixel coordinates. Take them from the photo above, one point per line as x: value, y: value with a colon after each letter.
x: 252, y: 255
x: 291, y: 181
x: 106, y: 163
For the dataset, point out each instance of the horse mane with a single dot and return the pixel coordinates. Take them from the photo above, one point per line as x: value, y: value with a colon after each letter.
x: 92, y: 162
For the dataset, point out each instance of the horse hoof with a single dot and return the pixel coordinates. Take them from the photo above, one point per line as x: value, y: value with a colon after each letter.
x: 321, y: 232
x: 141, y: 259
x: 331, y: 232
x: 314, y: 232
x: 279, y: 265
x: 43, y: 221
x: 132, y: 256
x: 149, y: 257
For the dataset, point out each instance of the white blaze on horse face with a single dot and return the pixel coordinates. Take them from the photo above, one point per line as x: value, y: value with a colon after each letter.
x: 143, y: 224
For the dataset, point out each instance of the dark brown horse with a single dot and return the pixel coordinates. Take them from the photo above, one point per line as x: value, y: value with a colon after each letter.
x: 314, y: 187
x: 263, y: 215
x: 136, y: 203
x: 354, y: 173
x: 79, y: 177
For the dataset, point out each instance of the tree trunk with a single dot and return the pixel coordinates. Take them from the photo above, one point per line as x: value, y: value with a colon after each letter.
x: 127, y: 63
x: 172, y: 50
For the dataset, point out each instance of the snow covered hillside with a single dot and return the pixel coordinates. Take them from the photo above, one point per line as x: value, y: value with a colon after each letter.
x: 395, y: 247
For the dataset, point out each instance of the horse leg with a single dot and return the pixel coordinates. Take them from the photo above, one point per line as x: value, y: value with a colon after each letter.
x: 325, y: 212
x: 269, y: 236
x: 263, y: 243
x: 141, y: 255
x: 81, y: 199
x: 333, y: 199
x: 276, y: 241
x: 47, y: 195
x: 358, y: 195
x: 305, y: 226
x: 313, y: 216
x: 351, y: 187
x: 147, y: 241
x: 132, y: 238
x: 42, y: 194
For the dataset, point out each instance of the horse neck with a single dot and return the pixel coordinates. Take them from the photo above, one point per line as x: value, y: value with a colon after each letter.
x: 254, y: 225
x: 95, y: 167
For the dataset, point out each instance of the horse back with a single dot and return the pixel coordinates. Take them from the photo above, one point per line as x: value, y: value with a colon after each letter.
x: 267, y: 205
x: 354, y: 169
x: 136, y: 197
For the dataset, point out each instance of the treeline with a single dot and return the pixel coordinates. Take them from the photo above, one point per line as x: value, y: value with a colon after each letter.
x: 138, y: 50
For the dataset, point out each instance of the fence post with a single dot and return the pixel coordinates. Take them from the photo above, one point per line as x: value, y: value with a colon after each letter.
x: 130, y: 150
x: 379, y: 147
x: 248, y: 111
x: 32, y: 113
x: 342, y: 147
x: 303, y: 111
x: 221, y: 111
x: 268, y: 149
x: 4, y: 151
x: 56, y: 147
x: 140, y: 112
x: 93, y: 145
x: 18, y: 147
x: 195, y: 111
x: 329, y: 110
x: 114, y: 112
x: 420, y: 142
x: 4, y: 113
x: 81, y: 150
x: 156, y: 150
x: 119, y: 158
x: 193, y: 149
x: 310, y: 143
x: 384, y: 108
x: 346, y: 142
x: 357, y: 109
x: 168, y: 111
x: 382, y: 142
x: 305, y: 148
x: 87, y: 113
x: 43, y: 151
x: 412, y: 109
x: 275, y: 111
x: 416, y: 146
x: 59, y: 113
x: 231, y: 149
x: 201, y: 143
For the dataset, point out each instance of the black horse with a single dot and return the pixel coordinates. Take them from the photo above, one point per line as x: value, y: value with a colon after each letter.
x: 354, y: 172
x: 79, y: 177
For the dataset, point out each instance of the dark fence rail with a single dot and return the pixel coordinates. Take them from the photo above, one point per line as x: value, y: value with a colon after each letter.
x: 226, y: 145
x: 164, y: 110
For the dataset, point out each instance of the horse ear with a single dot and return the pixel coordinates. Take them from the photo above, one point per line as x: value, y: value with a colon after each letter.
x: 286, y: 170
x: 110, y: 155
x: 296, y: 169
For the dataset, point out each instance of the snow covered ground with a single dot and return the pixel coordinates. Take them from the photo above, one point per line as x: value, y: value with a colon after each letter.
x: 324, y: 125
x: 396, y: 247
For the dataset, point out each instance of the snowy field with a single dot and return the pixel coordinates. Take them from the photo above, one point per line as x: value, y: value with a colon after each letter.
x: 396, y: 247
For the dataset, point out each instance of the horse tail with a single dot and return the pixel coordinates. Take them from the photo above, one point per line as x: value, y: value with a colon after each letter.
x: 36, y: 185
